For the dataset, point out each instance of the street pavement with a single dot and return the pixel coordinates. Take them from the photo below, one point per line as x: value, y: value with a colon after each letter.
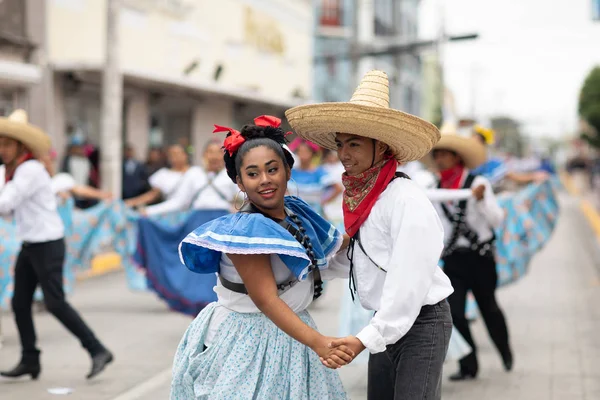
x: 552, y: 315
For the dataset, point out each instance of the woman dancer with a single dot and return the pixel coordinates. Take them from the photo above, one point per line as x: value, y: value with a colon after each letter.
x: 64, y: 185
x: 312, y: 184
x: 201, y: 189
x: 165, y: 181
x: 258, y: 341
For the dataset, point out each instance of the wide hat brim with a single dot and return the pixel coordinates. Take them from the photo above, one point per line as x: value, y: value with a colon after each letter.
x: 409, y: 137
x: 30, y: 135
x: 470, y: 149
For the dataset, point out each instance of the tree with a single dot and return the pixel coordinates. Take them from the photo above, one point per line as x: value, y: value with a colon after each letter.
x: 589, y: 107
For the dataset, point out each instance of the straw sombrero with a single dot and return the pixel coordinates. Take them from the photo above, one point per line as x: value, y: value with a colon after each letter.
x: 16, y: 127
x: 471, y: 150
x: 367, y: 114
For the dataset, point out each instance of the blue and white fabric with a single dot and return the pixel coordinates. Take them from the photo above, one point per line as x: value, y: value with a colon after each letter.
x: 253, y: 233
x: 310, y: 185
x: 181, y: 289
x: 493, y: 169
x: 251, y: 358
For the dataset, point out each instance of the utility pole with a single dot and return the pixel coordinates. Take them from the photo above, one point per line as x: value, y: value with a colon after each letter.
x: 111, y: 145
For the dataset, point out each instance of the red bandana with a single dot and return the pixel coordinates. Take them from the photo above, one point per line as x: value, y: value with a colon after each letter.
x: 362, y: 191
x: 10, y: 173
x: 450, y: 178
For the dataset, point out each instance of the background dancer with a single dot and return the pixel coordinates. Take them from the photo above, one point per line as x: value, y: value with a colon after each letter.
x: 311, y: 183
x: 468, y: 257
x: 207, y: 188
x: 164, y: 182
x: 28, y: 193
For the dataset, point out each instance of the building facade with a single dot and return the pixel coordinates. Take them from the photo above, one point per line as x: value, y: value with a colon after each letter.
x: 186, y: 65
x: 346, y: 27
x: 19, y: 69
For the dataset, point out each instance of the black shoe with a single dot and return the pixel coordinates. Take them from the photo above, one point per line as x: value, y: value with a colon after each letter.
x: 507, y: 360
x: 29, y: 365
x: 463, y: 376
x: 99, y: 362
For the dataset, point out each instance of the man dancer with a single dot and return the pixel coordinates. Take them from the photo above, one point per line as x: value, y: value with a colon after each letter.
x: 28, y: 193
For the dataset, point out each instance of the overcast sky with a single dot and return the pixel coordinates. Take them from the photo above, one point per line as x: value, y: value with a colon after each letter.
x: 529, y: 61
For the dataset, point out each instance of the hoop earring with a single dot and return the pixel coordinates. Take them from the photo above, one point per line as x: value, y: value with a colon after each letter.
x: 297, y: 188
x: 235, y: 200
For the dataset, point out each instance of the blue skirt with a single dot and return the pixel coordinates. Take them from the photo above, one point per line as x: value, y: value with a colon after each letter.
x: 250, y: 358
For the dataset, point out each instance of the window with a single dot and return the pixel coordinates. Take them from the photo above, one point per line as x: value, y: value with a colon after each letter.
x: 331, y: 13
x: 596, y: 10
x: 12, y: 17
x: 384, y: 17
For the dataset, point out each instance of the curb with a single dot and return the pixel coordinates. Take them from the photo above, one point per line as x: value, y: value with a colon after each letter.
x: 587, y: 208
x: 102, y: 264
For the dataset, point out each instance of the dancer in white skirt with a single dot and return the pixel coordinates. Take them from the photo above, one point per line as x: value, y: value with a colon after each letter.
x: 258, y: 341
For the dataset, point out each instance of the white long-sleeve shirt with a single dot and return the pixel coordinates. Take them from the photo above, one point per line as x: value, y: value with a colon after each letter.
x: 30, y: 196
x: 403, y: 235
x: 198, y: 190
x: 481, y: 216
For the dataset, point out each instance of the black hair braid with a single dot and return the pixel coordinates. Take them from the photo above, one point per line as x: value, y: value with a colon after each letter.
x: 255, y: 136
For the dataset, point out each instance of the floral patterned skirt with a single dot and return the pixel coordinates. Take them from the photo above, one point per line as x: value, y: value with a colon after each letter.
x: 250, y: 358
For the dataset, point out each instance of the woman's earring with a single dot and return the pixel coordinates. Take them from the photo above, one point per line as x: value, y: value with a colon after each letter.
x: 293, y: 182
x: 235, y: 200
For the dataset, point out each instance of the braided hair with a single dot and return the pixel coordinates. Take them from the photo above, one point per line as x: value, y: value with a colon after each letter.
x: 256, y: 136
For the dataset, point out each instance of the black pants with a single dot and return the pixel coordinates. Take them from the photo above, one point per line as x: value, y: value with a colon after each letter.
x: 468, y: 270
x: 411, y: 369
x: 42, y: 264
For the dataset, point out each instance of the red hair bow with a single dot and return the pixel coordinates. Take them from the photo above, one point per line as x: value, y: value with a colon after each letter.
x: 233, y: 141
x: 267, y: 120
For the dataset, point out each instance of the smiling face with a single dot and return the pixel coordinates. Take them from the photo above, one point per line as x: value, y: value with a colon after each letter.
x: 358, y: 153
x: 263, y: 177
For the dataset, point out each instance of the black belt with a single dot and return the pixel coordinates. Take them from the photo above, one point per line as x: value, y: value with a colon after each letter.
x: 241, y: 288
x: 29, y: 244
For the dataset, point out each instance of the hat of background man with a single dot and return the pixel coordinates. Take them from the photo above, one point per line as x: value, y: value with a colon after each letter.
x: 471, y: 150
x: 487, y: 134
x: 17, y: 127
x: 367, y: 114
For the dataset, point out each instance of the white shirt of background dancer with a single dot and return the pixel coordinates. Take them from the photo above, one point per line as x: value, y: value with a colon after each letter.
x: 195, y: 192
x: 166, y: 180
x: 30, y: 197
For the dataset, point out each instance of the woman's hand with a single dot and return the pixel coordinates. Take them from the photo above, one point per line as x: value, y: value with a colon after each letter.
x: 349, y: 345
x: 332, y: 357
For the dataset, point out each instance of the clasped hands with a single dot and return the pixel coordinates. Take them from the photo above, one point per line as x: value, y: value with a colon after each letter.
x: 337, y: 352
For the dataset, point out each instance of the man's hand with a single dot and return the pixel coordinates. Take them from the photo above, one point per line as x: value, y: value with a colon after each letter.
x: 540, y: 176
x: 332, y: 357
x: 350, y: 343
x: 478, y: 192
